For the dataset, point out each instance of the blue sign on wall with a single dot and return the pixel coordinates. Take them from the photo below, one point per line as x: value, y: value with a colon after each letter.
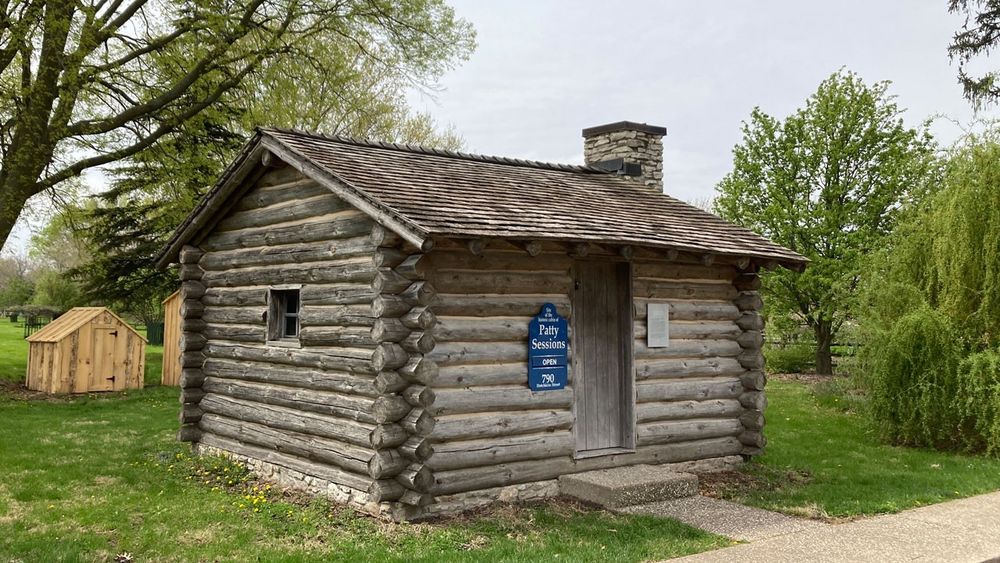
x: 548, y: 350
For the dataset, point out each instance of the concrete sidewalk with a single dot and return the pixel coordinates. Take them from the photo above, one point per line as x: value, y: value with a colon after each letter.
x: 735, y: 521
x: 959, y: 530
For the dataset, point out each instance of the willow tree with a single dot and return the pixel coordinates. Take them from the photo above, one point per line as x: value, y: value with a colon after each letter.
x: 931, y: 311
x: 85, y: 83
x: 828, y: 181
x: 948, y: 255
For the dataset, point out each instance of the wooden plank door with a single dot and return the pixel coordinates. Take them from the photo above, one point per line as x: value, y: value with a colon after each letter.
x: 602, y: 358
x: 103, y: 374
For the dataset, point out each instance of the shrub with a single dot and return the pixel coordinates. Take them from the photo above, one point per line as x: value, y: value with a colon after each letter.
x: 910, y: 377
x: 930, y: 310
x: 789, y: 358
x: 977, y: 401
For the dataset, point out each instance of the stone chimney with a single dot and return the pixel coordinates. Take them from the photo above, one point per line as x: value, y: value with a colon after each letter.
x: 628, y: 148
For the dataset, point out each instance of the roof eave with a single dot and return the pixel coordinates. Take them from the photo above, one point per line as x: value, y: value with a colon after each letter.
x: 795, y: 263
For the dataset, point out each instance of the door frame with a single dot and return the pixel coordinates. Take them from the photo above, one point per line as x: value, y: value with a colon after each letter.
x: 628, y: 353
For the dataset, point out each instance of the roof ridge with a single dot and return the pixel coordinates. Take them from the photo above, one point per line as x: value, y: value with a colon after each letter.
x: 436, y: 151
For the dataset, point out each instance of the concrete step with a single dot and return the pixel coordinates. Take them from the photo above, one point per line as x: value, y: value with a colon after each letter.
x: 629, y: 486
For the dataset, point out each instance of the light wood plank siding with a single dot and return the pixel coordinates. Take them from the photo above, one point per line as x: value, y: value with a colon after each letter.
x: 87, y: 349
x: 171, y: 374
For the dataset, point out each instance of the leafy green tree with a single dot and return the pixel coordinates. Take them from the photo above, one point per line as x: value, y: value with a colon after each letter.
x: 54, y: 289
x: 149, y: 197
x: 15, y: 286
x: 977, y: 37
x: 335, y: 89
x: 153, y: 191
x: 61, y: 244
x: 15, y: 291
x: 54, y: 251
x: 87, y: 83
x: 829, y: 182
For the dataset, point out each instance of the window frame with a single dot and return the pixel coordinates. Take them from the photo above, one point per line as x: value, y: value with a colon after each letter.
x: 277, y: 316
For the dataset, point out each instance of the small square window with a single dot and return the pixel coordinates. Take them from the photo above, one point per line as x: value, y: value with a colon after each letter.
x: 283, y: 315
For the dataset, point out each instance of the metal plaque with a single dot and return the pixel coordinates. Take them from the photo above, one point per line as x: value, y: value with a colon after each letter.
x: 657, y: 325
x: 548, y: 350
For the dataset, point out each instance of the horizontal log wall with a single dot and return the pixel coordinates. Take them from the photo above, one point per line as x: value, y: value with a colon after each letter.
x: 491, y: 430
x: 689, y: 391
x: 485, y: 414
x: 319, y: 408
x: 192, y: 344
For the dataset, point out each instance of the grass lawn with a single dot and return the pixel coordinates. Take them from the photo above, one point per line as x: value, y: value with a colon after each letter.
x: 93, y: 477
x: 13, y: 350
x: 822, y: 461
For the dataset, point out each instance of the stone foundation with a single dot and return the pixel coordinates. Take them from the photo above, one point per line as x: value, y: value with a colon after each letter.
x: 291, y: 479
x: 540, y: 490
x: 443, y: 505
x: 525, y: 492
x: 711, y: 465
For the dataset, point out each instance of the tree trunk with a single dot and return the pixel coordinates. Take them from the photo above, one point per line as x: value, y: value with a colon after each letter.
x: 824, y: 339
x: 11, y: 204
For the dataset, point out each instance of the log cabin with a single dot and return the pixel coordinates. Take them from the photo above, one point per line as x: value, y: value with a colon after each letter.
x: 414, y: 331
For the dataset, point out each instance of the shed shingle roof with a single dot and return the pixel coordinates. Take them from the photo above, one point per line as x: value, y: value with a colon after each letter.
x: 68, y: 322
x: 446, y: 194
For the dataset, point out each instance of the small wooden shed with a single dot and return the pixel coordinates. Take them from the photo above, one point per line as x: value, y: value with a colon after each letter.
x: 171, y: 374
x: 85, y: 350
x: 416, y: 332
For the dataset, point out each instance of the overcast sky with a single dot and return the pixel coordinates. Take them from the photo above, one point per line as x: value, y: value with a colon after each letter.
x: 544, y: 70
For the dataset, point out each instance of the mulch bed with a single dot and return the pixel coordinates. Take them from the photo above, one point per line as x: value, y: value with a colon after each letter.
x: 16, y: 391
x: 717, y: 483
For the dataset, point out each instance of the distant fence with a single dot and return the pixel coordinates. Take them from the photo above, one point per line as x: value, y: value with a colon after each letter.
x: 837, y: 349
x: 154, y: 334
x: 34, y: 324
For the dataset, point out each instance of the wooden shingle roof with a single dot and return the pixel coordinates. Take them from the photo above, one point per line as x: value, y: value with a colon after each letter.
x: 429, y: 193
x: 68, y: 322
